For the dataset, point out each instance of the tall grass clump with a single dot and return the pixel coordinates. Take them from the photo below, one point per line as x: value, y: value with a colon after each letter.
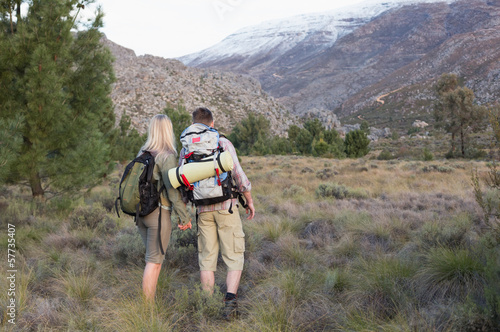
x: 273, y: 227
x: 449, y: 233
x: 449, y: 272
x: 138, y: 314
x: 279, y: 301
x: 81, y: 287
x: 383, y: 286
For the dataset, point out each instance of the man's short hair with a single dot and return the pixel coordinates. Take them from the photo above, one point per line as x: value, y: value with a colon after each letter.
x: 203, y: 115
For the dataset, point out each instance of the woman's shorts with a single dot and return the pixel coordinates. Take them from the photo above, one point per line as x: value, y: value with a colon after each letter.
x: 148, y: 228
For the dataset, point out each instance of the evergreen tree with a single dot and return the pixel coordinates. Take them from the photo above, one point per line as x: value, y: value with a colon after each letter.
x: 314, y: 127
x: 304, y: 142
x: 248, y: 132
x: 356, y: 144
x: 281, y: 145
x: 57, y: 82
x: 10, y: 144
x: 181, y: 119
x: 365, y: 126
x: 127, y: 141
x: 456, y: 112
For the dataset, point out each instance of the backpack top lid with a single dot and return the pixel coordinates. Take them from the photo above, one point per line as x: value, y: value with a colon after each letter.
x: 200, y: 139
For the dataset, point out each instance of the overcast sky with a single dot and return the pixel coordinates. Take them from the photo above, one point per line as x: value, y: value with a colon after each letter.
x: 172, y: 28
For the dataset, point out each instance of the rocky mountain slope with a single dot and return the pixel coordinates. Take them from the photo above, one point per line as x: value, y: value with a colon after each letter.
x: 343, y: 62
x: 146, y: 85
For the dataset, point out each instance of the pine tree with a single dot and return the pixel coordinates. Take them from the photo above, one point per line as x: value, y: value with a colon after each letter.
x: 356, y: 144
x: 181, y: 119
x: 250, y: 135
x: 55, y: 77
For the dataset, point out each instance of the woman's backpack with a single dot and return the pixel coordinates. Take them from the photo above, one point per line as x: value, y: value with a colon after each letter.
x: 138, y: 193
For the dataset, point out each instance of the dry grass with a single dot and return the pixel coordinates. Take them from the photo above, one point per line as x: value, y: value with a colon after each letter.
x: 405, y: 249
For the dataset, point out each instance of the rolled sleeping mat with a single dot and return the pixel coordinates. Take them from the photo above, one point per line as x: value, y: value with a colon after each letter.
x: 200, y: 170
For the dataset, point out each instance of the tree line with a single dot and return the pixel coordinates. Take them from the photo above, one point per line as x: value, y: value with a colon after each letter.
x: 253, y: 136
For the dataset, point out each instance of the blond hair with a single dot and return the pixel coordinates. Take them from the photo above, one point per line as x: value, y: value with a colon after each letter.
x: 160, y: 141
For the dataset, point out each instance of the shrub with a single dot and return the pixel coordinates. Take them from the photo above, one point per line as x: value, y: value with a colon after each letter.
x: 332, y: 190
x: 325, y: 173
x: 385, y: 155
x: 93, y: 217
x: 294, y: 190
x: 427, y: 155
x: 437, y: 168
x: 198, y: 303
x: 339, y: 191
x: 129, y: 248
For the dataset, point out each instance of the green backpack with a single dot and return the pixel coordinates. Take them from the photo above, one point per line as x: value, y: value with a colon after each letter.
x: 138, y: 194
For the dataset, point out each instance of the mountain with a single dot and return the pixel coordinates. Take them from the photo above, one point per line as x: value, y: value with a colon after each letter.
x: 342, y: 61
x: 146, y: 85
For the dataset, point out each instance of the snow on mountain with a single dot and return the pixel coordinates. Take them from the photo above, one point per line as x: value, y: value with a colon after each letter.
x: 321, y: 30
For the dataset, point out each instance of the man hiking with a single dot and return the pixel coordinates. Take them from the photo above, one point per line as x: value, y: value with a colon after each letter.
x: 219, y: 227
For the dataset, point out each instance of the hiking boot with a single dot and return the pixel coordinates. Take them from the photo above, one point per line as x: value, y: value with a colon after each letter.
x: 230, y: 310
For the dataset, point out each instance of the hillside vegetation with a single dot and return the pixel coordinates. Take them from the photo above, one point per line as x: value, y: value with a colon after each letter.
x: 349, y: 245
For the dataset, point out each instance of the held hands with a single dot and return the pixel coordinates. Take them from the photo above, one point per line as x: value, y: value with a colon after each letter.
x: 186, y: 226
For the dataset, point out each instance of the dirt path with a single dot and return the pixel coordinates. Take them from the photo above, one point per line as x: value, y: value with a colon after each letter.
x: 379, y: 99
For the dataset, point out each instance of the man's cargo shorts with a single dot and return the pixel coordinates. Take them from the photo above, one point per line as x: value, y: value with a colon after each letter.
x: 220, y: 229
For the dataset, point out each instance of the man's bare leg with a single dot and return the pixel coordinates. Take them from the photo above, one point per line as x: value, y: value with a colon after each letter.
x: 233, y: 281
x: 207, y: 281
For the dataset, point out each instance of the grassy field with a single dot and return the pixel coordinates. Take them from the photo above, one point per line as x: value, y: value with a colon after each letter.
x: 349, y: 245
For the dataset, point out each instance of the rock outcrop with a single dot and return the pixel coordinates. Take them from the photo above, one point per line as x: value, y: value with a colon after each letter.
x: 146, y: 85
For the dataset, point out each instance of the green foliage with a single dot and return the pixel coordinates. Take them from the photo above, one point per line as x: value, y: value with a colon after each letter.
x: 356, y: 144
x: 251, y: 135
x: 198, y: 303
x: 280, y: 146
x: 456, y: 112
x: 437, y: 168
x: 128, y: 247
x: 338, y: 191
x: 450, y: 272
x: 55, y: 84
x: 127, y: 141
x: 385, y: 155
x: 315, y: 140
x: 93, y: 217
x: 181, y: 119
x: 365, y: 126
x: 10, y: 145
x: 427, y: 155
x: 293, y: 190
x: 489, y: 200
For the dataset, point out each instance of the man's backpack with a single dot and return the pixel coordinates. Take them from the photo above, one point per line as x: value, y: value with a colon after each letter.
x: 137, y: 193
x: 201, y: 143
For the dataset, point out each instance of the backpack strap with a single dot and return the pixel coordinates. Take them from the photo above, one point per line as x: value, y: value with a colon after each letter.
x: 159, y: 230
